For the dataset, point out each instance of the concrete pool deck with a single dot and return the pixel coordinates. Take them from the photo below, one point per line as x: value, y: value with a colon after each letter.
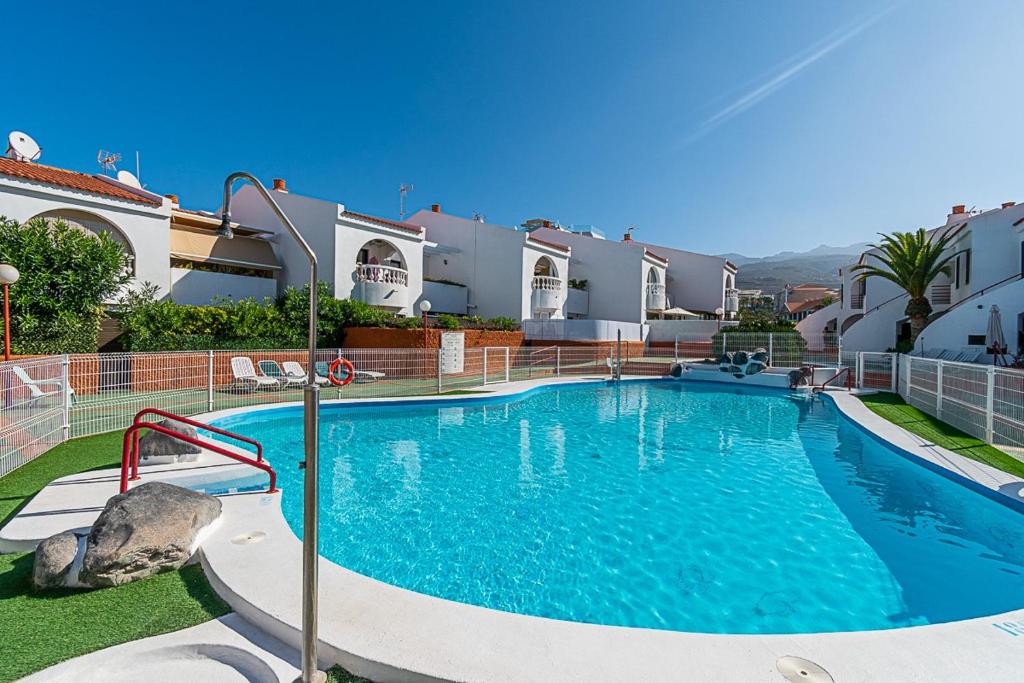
x: 387, y: 633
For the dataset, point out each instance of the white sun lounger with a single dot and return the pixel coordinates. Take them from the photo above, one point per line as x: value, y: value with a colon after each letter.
x: 245, y: 374
x: 294, y: 370
x: 271, y: 369
x: 35, y: 386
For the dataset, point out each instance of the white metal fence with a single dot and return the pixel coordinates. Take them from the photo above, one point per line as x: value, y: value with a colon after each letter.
x: 34, y: 406
x: 981, y: 400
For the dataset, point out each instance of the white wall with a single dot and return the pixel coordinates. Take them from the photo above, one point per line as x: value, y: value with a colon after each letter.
x: 199, y: 287
x: 146, y: 228
x: 951, y: 330
x: 313, y: 218
x: 615, y: 274
x: 668, y: 330
x: 352, y: 234
x: 531, y: 254
x: 444, y: 298
x: 696, y: 282
x: 584, y: 330
x: 812, y: 327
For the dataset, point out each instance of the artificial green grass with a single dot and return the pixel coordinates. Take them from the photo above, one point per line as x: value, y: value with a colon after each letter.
x: 338, y: 675
x: 896, y: 410
x: 42, y: 628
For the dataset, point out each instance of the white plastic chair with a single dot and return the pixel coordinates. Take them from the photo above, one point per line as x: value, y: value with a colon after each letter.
x: 35, y: 385
x: 245, y: 373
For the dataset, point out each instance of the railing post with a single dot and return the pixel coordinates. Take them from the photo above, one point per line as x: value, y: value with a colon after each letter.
x: 558, y: 361
x: 938, y: 389
x: 990, y: 403
x: 65, y: 382
x: 485, y: 366
x: 894, y: 372
x: 440, y: 353
x: 839, y: 351
x: 725, y: 343
x: 506, y: 364
x: 771, y: 350
x: 209, y: 381
x: 860, y: 369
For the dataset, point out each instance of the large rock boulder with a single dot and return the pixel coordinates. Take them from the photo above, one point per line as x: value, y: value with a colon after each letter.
x: 147, y: 530
x: 53, y: 560
x: 156, y: 445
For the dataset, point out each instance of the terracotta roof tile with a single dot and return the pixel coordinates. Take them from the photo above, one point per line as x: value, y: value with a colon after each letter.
x: 408, y: 227
x: 50, y: 175
x: 554, y: 245
x: 657, y: 256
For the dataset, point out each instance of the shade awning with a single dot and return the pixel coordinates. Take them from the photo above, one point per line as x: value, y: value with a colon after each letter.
x: 680, y: 312
x: 245, y: 252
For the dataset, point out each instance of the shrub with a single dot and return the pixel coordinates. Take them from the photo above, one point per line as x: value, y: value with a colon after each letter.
x: 66, y: 276
x: 502, y: 323
x: 448, y: 322
x: 578, y: 284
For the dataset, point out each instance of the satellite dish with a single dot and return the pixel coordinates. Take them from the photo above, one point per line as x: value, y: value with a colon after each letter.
x: 22, y: 147
x: 128, y: 178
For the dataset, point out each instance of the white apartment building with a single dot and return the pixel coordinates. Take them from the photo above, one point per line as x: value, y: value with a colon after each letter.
x: 987, y: 269
x: 375, y: 260
x: 478, y: 268
x: 171, y: 247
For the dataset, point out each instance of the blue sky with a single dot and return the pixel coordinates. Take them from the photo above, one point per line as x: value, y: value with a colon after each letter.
x: 749, y: 127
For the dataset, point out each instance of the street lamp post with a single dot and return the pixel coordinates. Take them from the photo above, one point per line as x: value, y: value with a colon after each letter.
x: 8, y: 276
x: 311, y: 425
x: 424, y: 309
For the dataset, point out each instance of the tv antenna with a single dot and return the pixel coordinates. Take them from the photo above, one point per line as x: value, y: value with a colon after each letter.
x: 107, y: 160
x: 403, y: 189
x: 630, y: 228
x: 479, y: 217
x: 22, y: 147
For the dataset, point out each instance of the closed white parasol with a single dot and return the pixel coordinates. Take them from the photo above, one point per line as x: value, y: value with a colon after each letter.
x: 995, y: 342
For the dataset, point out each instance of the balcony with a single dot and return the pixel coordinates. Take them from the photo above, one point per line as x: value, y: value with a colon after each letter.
x: 547, y: 295
x: 655, y: 296
x: 382, y: 286
x: 857, y: 302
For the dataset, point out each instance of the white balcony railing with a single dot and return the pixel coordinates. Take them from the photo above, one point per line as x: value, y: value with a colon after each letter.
x: 548, y: 283
x: 382, y: 286
x: 385, y: 274
x: 547, y: 295
x: 655, y: 296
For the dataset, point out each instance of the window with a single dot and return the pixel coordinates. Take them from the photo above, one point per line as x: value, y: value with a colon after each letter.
x: 956, y: 269
x: 967, y: 267
x: 975, y: 340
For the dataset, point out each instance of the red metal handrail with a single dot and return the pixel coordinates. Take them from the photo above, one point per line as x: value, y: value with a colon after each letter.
x: 188, y: 421
x: 130, y: 453
x: 849, y: 378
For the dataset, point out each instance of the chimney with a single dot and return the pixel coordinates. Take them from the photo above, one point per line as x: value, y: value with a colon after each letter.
x: 960, y: 208
x: 279, y: 185
x: 1007, y: 205
x: 547, y: 223
x: 435, y: 208
x: 627, y: 237
x: 173, y: 198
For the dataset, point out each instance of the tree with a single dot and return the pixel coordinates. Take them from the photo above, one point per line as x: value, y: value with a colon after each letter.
x: 66, y: 276
x: 912, y: 260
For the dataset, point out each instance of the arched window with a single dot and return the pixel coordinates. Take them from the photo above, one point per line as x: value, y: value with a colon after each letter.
x: 545, y: 267
x: 652, y: 276
x: 91, y: 224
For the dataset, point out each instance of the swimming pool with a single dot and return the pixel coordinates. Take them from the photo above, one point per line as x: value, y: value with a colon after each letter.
x: 670, y: 505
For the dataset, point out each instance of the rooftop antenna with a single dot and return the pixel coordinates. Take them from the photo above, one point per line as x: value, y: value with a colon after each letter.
x: 629, y: 230
x: 403, y: 189
x: 479, y: 217
x: 107, y: 160
x: 21, y: 146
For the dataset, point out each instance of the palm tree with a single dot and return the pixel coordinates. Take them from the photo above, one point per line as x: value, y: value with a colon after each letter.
x: 912, y: 260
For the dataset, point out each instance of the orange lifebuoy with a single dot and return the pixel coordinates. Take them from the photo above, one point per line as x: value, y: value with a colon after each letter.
x: 334, y: 366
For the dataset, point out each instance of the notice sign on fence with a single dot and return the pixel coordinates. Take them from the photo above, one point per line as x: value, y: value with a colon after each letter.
x: 453, y: 352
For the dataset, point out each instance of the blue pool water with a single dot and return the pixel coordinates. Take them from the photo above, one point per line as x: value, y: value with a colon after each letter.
x: 667, y: 505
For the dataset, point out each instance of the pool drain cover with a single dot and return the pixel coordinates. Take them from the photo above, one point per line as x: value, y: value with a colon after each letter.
x: 249, y: 538
x: 800, y: 670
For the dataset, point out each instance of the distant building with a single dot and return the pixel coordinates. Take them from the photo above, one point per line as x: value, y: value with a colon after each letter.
x: 794, y: 303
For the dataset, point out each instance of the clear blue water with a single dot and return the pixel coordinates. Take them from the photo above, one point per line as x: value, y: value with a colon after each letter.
x: 666, y: 505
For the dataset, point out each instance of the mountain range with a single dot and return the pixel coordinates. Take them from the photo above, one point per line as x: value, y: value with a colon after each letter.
x: 819, y: 266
